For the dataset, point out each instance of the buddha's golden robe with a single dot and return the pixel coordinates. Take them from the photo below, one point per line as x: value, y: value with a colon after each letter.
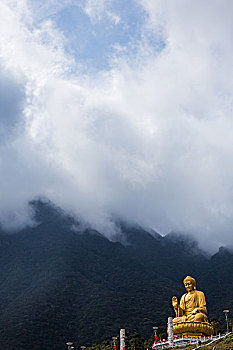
x: 192, y: 308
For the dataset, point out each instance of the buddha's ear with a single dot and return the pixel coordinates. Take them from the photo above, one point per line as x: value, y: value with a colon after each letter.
x: 194, y: 283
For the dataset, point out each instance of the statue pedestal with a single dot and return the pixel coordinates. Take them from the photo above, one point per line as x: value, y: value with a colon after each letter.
x: 192, y: 329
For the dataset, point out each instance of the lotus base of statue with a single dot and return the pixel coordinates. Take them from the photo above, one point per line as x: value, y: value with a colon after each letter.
x: 193, y: 329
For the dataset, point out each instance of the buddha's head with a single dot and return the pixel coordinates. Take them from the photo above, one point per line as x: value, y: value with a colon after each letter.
x: 189, y: 283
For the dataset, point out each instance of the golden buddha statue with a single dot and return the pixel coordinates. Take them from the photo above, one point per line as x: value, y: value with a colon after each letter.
x: 191, y: 315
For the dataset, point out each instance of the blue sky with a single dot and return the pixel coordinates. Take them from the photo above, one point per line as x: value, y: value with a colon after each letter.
x: 94, y: 38
x: 119, y: 108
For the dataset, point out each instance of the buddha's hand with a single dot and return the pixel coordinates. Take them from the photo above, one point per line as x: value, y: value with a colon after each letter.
x: 175, y: 302
x: 195, y: 311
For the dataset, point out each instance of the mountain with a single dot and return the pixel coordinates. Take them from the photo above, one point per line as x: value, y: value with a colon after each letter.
x: 62, y: 281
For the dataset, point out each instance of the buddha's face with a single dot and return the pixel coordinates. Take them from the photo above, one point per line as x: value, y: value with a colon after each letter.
x: 188, y: 285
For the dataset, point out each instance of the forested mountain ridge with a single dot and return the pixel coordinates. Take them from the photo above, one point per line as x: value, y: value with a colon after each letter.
x: 62, y: 281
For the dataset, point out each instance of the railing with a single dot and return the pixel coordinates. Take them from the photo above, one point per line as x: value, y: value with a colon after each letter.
x: 220, y: 337
x: 182, y: 341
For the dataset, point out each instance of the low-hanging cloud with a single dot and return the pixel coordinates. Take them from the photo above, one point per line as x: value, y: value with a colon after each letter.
x: 147, y: 141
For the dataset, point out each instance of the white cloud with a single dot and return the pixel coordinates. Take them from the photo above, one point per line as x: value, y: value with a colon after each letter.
x: 150, y: 141
x: 99, y: 9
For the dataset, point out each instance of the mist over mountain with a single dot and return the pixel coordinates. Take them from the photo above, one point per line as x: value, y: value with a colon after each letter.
x: 119, y: 108
x: 119, y: 112
x: 63, y: 281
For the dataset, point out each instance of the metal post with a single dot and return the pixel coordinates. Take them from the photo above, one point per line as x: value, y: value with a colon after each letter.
x: 69, y: 344
x: 155, y: 333
x: 114, y: 342
x: 225, y: 313
x: 170, y: 331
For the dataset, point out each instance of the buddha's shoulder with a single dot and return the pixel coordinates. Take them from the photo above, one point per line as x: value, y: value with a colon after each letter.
x: 200, y: 293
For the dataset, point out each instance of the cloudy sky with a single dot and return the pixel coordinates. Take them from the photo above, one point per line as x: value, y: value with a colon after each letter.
x: 115, y: 107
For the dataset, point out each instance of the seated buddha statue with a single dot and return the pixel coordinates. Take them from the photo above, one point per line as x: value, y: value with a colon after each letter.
x: 191, y: 313
x: 192, y: 304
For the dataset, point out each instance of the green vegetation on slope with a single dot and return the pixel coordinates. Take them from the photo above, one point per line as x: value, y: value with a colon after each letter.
x: 59, y: 284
